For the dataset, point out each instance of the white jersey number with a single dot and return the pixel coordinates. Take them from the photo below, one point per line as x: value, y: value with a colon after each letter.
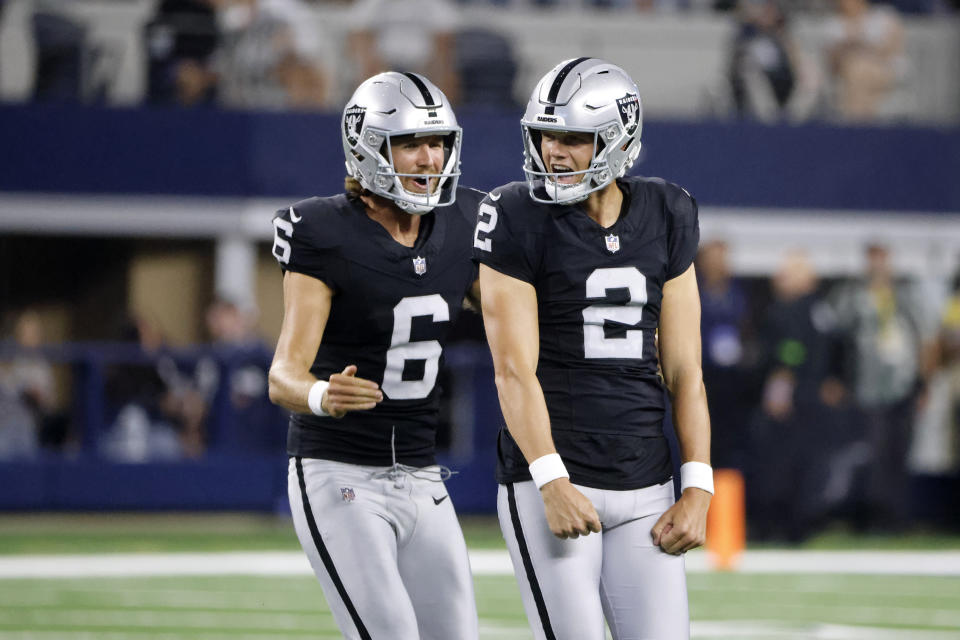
x: 595, y: 344
x: 486, y: 221
x: 401, y: 349
x: 281, y: 245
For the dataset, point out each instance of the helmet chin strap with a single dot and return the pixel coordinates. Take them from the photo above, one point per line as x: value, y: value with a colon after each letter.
x: 414, y: 209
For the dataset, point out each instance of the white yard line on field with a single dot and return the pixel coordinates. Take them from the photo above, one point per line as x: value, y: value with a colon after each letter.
x: 484, y: 562
x: 755, y: 630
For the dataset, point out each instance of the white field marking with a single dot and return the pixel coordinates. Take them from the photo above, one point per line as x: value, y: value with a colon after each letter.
x: 121, y: 598
x: 792, y: 588
x: 728, y: 630
x: 483, y: 562
x: 70, y: 634
x: 864, y: 614
x: 110, y: 619
x: 487, y: 632
x: 921, y: 563
x: 752, y: 630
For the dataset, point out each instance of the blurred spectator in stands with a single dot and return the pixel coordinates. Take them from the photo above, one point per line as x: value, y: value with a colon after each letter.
x: 883, y: 320
x: 798, y: 421
x: 724, y: 328
x: 234, y: 381
x: 269, y: 56
x: 487, y: 68
x: 157, y: 413
x: 936, y: 446
x: 27, y: 393
x: 865, y: 59
x: 406, y: 35
x: 770, y: 78
x: 180, y: 39
x: 59, y: 38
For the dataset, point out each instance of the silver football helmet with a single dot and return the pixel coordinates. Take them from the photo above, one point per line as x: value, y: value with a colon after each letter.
x: 587, y: 95
x: 395, y: 104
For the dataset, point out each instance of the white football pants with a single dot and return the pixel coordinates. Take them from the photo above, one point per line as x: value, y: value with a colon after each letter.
x: 570, y: 586
x: 387, y: 549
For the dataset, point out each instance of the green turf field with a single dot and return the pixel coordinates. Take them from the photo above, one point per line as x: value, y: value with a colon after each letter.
x: 730, y: 606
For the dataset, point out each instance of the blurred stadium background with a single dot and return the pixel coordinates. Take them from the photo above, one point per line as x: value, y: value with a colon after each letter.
x: 147, y: 143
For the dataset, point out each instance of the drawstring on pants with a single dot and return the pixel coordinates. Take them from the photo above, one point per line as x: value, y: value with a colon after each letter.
x: 398, y: 472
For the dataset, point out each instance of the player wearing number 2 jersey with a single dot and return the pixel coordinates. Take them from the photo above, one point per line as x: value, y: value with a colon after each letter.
x: 373, y: 280
x: 588, y: 292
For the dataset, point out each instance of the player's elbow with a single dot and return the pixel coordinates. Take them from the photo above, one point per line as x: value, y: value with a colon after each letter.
x: 509, y: 376
x: 275, y: 386
x: 688, y: 377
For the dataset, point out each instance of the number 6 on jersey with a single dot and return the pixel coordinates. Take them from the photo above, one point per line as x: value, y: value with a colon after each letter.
x: 401, y: 349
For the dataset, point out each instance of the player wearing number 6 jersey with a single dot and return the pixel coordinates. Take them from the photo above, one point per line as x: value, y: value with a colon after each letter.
x: 373, y: 280
x: 581, y: 269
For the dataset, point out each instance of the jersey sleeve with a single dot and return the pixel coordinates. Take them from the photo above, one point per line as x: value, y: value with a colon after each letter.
x: 499, y: 244
x: 684, y: 230
x: 299, y: 247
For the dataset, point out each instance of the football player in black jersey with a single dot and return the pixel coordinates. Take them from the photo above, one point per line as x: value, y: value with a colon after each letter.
x: 373, y: 280
x: 588, y: 284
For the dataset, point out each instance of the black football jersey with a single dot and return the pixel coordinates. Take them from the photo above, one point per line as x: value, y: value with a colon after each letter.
x: 392, y: 309
x: 599, y: 293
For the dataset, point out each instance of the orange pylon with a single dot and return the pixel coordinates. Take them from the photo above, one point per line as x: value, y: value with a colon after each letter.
x: 727, y: 519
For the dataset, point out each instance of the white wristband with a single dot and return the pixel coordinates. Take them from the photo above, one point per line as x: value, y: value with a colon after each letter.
x: 547, y: 468
x: 315, y: 397
x: 696, y: 474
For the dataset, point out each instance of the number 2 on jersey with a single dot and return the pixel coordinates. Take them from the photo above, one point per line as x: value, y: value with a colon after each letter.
x: 486, y: 221
x: 595, y: 343
x: 401, y: 349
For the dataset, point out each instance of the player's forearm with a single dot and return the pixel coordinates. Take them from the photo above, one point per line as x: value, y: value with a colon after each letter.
x: 525, y: 411
x: 691, y: 417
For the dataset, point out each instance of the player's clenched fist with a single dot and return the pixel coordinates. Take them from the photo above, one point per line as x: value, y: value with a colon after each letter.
x: 347, y: 392
x: 570, y: 514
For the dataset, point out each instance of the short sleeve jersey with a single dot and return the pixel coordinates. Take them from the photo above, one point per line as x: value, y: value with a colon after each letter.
x: 599, y: 292
x: 392, y: 309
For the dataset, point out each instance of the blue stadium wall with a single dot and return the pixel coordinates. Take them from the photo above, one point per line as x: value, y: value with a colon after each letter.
x: 215, y: 153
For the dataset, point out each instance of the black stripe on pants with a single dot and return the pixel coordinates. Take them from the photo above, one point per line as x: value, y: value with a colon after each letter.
x: 528, y: 565
x: 325, y: 555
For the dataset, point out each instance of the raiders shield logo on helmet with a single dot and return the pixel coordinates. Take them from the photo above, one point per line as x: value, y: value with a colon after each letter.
x: 353, y: 123
x: 629, y: 111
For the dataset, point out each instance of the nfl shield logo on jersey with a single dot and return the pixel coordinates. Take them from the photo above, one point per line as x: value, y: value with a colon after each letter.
x: 347, y: 494
x: 353, y: 123
x: 420, y: 265
x: 613, y: 243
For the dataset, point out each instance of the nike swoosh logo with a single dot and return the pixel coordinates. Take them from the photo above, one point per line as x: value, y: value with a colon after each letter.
x: 440, y: 499
x: 494, y: 196
x: 294, y: 217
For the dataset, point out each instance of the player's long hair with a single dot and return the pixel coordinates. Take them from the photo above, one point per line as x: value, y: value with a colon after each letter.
x: 353, y: 188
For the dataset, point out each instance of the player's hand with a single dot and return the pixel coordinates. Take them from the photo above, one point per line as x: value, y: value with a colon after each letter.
x: 347, y: 392
x: 570, y: 514
x: 684, y: 525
